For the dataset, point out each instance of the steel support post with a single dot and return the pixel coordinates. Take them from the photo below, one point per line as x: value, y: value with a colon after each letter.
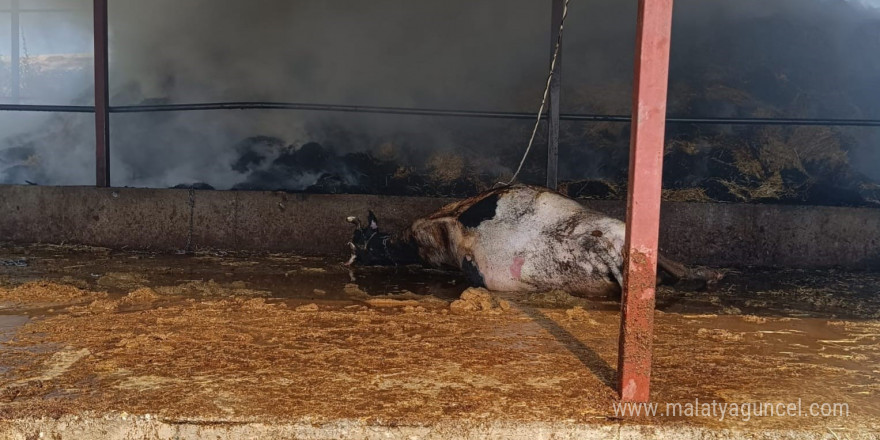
x: 15, y: 55
x: 643, y: 200
x: 553, y: 111
x: 102, y: 96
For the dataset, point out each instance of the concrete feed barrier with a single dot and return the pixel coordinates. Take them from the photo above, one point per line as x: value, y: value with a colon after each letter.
x: 727, y: 235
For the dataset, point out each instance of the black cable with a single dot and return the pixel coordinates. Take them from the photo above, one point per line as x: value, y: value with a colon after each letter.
x: 47, y: 108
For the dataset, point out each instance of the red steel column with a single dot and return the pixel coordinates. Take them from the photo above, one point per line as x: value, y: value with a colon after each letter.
x: 643, y: 201
x: 102, y: 96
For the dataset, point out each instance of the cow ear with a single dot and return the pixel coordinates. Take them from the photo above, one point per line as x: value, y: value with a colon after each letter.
x: 372, y: 221
x: 353, y: 220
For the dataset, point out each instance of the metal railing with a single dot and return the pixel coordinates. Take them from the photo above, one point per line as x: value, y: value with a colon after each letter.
x: 415, y: 111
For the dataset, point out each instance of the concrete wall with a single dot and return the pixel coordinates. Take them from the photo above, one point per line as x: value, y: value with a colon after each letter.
x: 712, y: 234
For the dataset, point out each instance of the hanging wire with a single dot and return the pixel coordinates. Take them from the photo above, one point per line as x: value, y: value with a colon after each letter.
x: 546, y: 93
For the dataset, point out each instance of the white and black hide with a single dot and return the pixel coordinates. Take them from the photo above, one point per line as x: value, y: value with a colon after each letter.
x: 515, y: 238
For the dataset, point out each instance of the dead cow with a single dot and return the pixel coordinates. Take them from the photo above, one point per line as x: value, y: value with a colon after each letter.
x: 515, y: 238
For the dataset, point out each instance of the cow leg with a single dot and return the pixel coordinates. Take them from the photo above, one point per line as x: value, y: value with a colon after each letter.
x: 679, y: 272
x: 472, y: 272
x: 674, y: 269
x: 613, y: 262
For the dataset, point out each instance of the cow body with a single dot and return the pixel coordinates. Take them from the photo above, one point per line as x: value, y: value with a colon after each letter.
x: 515, y: 238
x: 523, y: 238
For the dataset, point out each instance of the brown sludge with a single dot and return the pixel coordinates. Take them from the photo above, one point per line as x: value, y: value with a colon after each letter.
x: 219, y: 353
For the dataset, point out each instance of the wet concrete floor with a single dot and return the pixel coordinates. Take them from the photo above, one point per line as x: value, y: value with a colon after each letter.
x: 224, y: 338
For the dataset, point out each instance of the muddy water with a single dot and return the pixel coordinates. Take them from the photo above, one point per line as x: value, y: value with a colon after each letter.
x: 9, y: 324
x: 279, y: 276
x: 228, y: 336
x: 788, y: 293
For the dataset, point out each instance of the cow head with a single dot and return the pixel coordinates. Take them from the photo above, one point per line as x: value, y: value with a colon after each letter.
x: 368, y: 245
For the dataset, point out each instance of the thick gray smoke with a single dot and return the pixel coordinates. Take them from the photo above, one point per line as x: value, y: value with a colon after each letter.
x: 799, y: 58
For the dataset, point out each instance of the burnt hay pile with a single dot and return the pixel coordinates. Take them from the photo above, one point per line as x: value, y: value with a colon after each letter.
x: 791, y: 165
x: 801, y: 165
x: 271, y: 164
x: 702, y: 163
x: 707, y: 163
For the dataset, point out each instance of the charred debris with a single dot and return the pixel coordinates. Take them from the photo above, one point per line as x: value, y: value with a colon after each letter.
x: 781, y: 165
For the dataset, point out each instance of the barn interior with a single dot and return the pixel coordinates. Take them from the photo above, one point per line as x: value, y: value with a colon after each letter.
x: 200, y: 293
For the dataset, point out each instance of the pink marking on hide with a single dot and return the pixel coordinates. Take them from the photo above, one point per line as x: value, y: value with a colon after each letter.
x: 516, y: 268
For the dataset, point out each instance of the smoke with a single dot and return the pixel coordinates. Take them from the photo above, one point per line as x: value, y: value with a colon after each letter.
x: 388, y: 53
x: 791, y: 58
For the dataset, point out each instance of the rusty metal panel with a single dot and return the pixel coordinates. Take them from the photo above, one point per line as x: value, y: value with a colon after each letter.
x: 102, y: 95
x: 643, y: 201
x: 553, y: 111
